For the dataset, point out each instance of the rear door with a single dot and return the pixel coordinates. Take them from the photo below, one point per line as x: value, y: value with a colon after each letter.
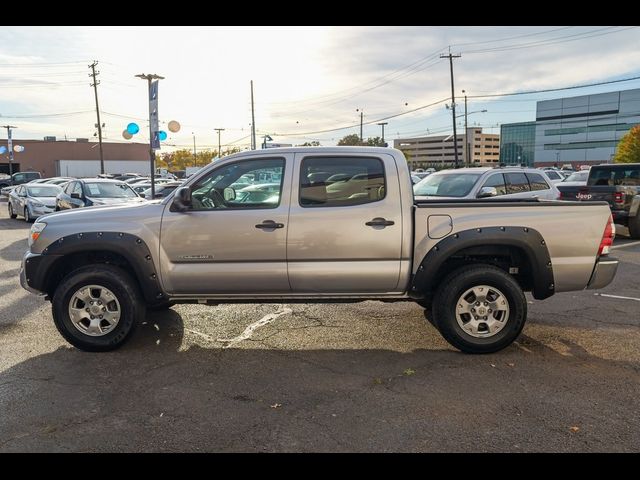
x: 345, y: 224
x: 517, y: 185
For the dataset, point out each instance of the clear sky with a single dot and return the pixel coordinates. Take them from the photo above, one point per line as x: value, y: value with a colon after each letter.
x: 307, y: 79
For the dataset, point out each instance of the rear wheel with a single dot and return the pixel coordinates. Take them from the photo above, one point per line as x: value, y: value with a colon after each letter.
x: 11, y: 212
x: 96, y: 308
x: 479, y: 309
x: 634, y: 227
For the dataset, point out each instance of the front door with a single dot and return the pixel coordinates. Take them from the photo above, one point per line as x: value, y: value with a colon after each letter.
x: 345, y: 225
x: 233, y: 239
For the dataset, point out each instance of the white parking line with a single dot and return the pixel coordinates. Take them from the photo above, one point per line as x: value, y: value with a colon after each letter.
x: 625, y: 245
x: 617, y: 296
x: 248, y: 332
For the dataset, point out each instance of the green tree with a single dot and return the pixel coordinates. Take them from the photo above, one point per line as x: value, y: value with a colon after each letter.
x: 314, y: 143
x: 628, y: 150
x: 350, y: 140
x: 375, y: 142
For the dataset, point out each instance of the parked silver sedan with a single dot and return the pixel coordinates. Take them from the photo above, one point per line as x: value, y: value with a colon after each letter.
x: 504, y: 182
x: 32, y: 200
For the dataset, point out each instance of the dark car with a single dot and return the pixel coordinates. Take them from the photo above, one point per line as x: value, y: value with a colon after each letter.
x: 89, y: 192
x: 162, y: 190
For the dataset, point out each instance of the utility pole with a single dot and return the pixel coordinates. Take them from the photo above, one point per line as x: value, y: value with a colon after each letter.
x: 467, y: 146
x: 253, y: 121
x: 153, y: 115
x: 10, y: 147
x: 361, y: 119
x: 195, y: 155
x: 453, y: 106
x: 382, y: 124
x: 219, y: 130
x: 95, y: 91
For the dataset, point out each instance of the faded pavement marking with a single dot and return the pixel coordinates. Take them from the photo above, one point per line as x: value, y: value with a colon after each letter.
x: 248, y: 332
x: 616, y: 296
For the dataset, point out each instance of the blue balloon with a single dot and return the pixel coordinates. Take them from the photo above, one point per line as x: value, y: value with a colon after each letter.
x: 3, y: 149
x: 162, y: 135
x: 133, y: 128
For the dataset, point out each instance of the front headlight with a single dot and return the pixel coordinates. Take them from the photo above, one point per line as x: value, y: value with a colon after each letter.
x: 36, y: 230
x: 36, y: 204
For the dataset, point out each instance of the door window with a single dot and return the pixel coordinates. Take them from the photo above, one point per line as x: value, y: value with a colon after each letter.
x: 341, y: 181
x: 249, y: 184
x: 516, y: 183
x: 77, y: 188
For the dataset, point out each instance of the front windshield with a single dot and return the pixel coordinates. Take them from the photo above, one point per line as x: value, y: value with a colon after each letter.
x: 44, y: 191
x: 446, y: 184
x: 108, y: 190
x: 577, y: 177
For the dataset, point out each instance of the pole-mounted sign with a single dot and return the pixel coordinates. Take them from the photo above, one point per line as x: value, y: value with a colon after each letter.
x: 153, y: 115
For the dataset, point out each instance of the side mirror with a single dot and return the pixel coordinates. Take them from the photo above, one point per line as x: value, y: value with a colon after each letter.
x: 229, y: 194
x: 181, y: 200
x: 141, y: 194
x: 76, y: 196
x: 486, y: 192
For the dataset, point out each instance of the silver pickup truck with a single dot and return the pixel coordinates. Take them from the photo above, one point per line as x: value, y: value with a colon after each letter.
x: 334, y: 224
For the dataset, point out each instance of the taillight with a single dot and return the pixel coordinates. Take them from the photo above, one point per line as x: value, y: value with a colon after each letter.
x: 618, y: 197
x: 607, y: 237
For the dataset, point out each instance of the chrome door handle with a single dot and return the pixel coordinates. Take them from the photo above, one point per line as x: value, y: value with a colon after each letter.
x: 380, y: 222
x: 269, y: 224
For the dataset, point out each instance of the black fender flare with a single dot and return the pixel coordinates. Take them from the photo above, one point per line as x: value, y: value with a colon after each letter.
x: 132, y: 248
x: 526, y: 239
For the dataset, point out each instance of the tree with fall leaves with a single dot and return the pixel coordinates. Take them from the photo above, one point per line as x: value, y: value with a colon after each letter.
x: 628, y: 150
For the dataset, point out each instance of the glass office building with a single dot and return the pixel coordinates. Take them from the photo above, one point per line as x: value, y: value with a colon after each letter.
x: 517, y: 143
x: 583, y: 130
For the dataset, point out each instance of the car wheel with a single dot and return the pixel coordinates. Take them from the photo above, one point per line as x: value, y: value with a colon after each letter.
x: 479, y: 309
x: 634, y: 227
x: 27, y: 215
x: 11, y: 213
x: 96, y: 308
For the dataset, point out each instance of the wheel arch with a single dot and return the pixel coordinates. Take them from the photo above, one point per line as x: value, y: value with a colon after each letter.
x: 71, y: 252
x: 520, y: 251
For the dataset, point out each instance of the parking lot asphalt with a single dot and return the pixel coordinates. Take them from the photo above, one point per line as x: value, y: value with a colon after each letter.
x: 348, y: 377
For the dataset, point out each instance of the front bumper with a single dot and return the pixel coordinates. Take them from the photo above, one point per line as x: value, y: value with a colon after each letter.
x: 603, y: 273
x: 33, y: 271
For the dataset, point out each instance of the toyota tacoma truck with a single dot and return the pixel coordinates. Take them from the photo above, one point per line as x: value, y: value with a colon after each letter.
x: 619, y: 186
x: 319, y: 224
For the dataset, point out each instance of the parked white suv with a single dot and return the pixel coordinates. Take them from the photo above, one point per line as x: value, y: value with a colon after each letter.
x: 503, y: 182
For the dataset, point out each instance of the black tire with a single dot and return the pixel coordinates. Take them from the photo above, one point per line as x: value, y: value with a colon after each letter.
x: 27, y: 215
x: 455, y: 285
x: 428, y: 310
x: 126, y: 291
x: 634, y: 227
x: 12, y: 214
x: 160, y: 306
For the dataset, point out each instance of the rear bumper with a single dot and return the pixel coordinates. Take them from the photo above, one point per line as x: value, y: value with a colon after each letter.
x: 621, y: 217
x: 603, y: 273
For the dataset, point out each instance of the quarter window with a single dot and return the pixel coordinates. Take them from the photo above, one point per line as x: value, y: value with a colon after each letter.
x: 249, y: 184
x: 537, y: 182
x: 341, y: 181
x: 516, y: 182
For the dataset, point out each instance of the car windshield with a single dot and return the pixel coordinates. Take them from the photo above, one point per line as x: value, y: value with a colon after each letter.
x: 577, y: 177
x: 446, y: 184
x: 108, y: 190
x: 44, y: 191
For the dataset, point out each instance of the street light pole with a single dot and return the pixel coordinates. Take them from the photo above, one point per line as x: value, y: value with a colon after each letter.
x: 10, y: 147
x: 219, y: 130
x: 382, y: 124
x: 467, y: 145
x: 152, y: 155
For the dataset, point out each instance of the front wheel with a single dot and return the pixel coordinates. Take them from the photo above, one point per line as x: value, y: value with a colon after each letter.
x: 479, y: 309
x: 27, y: 215
x: 96, y: 308
x: 12, y: 214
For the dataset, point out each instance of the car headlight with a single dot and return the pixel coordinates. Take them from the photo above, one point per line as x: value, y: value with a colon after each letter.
x: 36, y: 204
x: 36, y: 230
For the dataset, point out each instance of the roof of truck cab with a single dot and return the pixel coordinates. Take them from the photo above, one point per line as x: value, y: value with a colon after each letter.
x: 318, y: 150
